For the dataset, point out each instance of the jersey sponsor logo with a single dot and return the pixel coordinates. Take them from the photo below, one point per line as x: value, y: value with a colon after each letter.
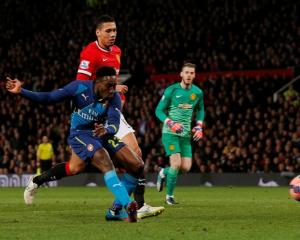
x: 84, y: 64
x: 185, y: 106
x: 179, y: 96
x: 93, y: 112
x: 193, y: 96
x: 90, y: 147
x: 91, y: 116
x: 85, y: 97
x: 104, y: 59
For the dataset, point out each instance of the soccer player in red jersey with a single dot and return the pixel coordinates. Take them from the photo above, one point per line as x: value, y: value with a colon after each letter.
x: 104, y: 52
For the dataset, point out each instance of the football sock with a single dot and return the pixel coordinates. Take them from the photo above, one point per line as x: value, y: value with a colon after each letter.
x: 171, y: 180
x: 116, y: 187
x: 139, y: 192
x: 55, y: 173
x: 166, y: 170
x: 129, y: 182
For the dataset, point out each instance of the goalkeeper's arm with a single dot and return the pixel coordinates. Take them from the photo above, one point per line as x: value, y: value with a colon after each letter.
x: 161, y: 115
x: 198, y: 129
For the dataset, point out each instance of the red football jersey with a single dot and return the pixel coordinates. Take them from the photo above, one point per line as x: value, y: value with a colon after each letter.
x: 93, y: 57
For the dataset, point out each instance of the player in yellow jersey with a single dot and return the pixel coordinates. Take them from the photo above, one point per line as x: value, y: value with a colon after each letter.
x: 175, y: 110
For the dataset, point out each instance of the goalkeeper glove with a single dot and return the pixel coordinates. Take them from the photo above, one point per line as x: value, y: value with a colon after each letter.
x: 198, y: 131
x: 174, y: 126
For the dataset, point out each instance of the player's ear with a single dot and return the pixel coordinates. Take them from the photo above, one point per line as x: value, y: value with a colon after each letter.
x: 181, y: 75
x: 97, y: 32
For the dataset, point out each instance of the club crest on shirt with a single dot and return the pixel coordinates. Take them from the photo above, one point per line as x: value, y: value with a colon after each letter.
x: 193, y: 96
x: 171, y: 147
x: 90, y: 147
x: 84, y: 64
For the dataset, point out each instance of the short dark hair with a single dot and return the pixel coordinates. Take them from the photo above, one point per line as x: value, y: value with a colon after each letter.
x: 189, y: 64
x: 105, y: 72
x: 103, y: 19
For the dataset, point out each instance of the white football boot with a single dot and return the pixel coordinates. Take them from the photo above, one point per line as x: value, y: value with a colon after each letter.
x: 30, y: 191
x: 149, y: 211
x: 160, y: 180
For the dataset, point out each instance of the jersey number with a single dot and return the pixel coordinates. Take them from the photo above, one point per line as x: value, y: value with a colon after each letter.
x: 114, y: 142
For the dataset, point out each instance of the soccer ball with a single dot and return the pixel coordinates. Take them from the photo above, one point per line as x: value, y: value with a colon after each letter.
x: 295, y: 188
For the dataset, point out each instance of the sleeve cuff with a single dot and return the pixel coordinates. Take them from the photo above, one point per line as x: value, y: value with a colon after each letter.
x: 111, y: 129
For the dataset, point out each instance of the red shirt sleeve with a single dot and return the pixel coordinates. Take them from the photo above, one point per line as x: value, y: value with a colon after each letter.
x: 123, y: 98
x: 86, y: 69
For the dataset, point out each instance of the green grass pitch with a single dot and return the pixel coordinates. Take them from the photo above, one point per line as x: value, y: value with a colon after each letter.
x: 203, y: 213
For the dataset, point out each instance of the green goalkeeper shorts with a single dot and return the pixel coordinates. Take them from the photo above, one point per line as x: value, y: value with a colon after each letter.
x: 176, y: 144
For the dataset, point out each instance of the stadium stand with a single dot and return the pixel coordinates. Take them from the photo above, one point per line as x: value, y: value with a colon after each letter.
x: 245, y: 130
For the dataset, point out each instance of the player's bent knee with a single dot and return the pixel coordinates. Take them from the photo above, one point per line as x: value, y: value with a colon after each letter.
x: 77, y: 168
x: 185, y: 169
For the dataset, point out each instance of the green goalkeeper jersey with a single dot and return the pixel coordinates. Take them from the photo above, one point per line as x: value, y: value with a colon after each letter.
x: 178, y: 104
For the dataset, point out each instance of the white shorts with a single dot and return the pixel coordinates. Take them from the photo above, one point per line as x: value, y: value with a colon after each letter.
x: 124, y: 128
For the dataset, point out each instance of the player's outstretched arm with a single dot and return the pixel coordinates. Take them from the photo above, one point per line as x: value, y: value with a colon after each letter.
x: 15, y: 87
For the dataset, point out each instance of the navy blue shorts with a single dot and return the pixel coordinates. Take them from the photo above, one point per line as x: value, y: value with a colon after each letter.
x: 84, y: 144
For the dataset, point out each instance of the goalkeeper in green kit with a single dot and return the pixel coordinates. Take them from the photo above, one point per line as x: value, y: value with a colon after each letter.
x: 175, y: 110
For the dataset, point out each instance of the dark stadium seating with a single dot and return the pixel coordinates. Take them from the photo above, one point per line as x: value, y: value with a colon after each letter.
x: 245, y: 130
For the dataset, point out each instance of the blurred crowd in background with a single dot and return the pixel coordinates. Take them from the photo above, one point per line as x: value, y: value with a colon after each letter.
x: 245, y: 130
